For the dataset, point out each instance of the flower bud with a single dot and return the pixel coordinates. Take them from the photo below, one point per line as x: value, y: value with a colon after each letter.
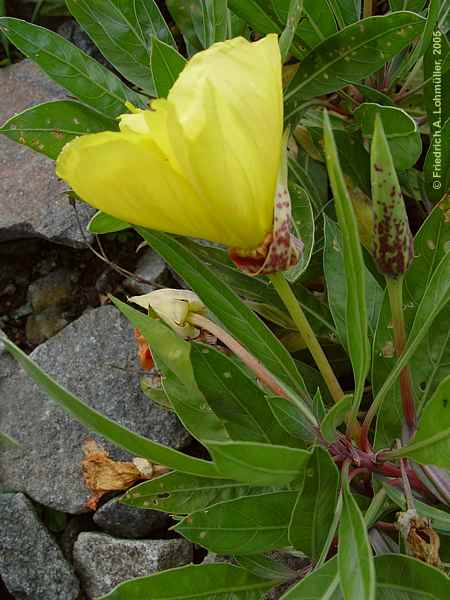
x: 173, y: 307
x: 392, y: 241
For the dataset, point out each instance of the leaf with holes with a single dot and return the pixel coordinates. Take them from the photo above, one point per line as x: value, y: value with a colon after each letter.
x: 351, y: 55
x: 47, y: 127
x: 180, y: 494
x: 81, y: 75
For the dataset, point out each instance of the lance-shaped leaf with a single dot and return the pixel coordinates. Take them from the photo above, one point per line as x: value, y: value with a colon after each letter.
x: 221, y: 582
x: 47, y: 127
x: 321, y: 584
x: 240, y: 321
x: 76, y: 71
x: 401, y: 131
x: 355, y: 559
x: 202, y: 22
x: 123, y: 31
x: 259, y: 464
x: 95, y: 421
x: 179, y: 493
x: 172, y: 355
x: 406, y: 578
x: 236, y: 399
x: 356, y: 308
x: 247, y: 525
x: 392, y: 241
x: 431, y: 444
x: 314, y: 510
x: 166, y: 65
x: 266, y: 567
x: 351, y: 55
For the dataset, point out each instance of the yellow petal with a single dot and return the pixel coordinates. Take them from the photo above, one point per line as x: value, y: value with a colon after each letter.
x: 228, y: 101
x: 126, y: 175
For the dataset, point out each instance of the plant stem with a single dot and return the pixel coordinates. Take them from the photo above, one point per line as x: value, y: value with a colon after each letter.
x: 395, y: 291
x: 298, y: 316
x: 368, y: 8
x: 251, y: 362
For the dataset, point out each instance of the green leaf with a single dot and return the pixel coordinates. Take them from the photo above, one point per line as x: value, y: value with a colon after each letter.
x: 434, y: 301
x: 429, y: 362
x: 202, y: 22
x: 265, y: 567
x: 431, y: 443
x: 440, y: 519
x: 314, y: 510
x: 351, y: 55
x: 335, y: 417
x: 101, y: 222
x: 259, y: 292
x: 292, y: 21
x: 412, y: 5
x: 290, y: 419
x: 337, y: 285
x: 235, y: 398
x: 178, y: 493
x: 63, y: 62
x: 95, y: 421
x: 303, y: 229
x: 257, y: 17
x: 123, y: 32
x: 405, y: 578
x: 259, y: 464
x: 321, y: 584
x: 356, y: 307
x: 172, y: 356
x: 355, y: 560
x: 400, y: 129
x: 240, y: 321
x: 166, y: 65
x: 47, y: 127
x: 246, y: 525
x: 7, y: 440
x: 218, y: 581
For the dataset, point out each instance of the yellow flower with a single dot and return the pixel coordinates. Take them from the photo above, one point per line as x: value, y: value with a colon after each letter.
x: 202, y: 163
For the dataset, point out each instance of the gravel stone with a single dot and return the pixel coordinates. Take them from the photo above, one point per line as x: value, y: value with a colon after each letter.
x: 150, y: 267
x: 128, y: 521
x: 32, y: 203
x: 95, y: 358
x: 102, y: 561
x: 32, y: 565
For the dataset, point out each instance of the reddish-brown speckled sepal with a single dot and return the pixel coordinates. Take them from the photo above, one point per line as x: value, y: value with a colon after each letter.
x: 280, y: 250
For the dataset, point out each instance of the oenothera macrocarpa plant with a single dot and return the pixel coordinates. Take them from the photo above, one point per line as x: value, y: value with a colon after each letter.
x: 321, y: 396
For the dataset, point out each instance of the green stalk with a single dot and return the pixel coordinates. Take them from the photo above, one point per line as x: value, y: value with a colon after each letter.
x: 298, y: 316
x: 395, y: 291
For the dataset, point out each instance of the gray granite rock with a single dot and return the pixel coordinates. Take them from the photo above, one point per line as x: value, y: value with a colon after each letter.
x: 102, y: 561
x: 31, y: 563
x: 95, y: 358
x: 128, y: 521
x: 151, y: 268
x: 32, y: 202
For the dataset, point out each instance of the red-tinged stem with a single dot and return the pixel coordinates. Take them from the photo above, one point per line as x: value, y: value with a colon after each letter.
x: 251, y: 362
x: 386, y: 526
x: 395, y: 291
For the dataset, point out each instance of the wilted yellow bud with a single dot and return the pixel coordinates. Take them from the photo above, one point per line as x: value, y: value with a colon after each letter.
x: 173, y: 307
